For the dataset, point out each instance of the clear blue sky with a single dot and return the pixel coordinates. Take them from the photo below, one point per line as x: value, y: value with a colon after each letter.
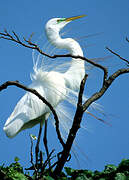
x: 102, y: 144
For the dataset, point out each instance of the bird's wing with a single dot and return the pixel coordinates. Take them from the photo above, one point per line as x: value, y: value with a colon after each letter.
x: 28, y: 108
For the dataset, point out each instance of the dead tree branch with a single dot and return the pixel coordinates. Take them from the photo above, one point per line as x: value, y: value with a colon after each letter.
x: 123, y: 59
x: 106, y: 84
x: 81, y: 108
x: 127, y: 39
x: 34, y: 46
x: 45, y: 141
x: 31, y: 154
x: 72, y: 134
x: 37, y: 146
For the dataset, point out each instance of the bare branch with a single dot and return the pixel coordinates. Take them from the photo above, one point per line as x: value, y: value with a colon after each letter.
x: 104, y: 88
x: 37, y: 146
x: 31, y: 154
x: 123, y: 59
x: 72, y: 134
x: 45, y: 141
x: 79, y: 113
x: 82, y: 89
x: 49, y: 158
x: 16, y: 36
x: 31, y: 45
x: 81, y: 108
x: 127, y: 39
x: 16, y: 83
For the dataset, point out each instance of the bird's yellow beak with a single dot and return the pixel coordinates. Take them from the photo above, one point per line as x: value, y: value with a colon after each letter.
x: 75, y: 17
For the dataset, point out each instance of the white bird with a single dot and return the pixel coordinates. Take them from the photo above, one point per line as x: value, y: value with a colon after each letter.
x: 54, y: 86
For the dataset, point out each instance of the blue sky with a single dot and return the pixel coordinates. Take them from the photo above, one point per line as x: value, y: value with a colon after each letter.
x: 102, y: 144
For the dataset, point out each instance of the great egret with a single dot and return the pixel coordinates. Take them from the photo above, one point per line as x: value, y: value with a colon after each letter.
x: 54, y: 86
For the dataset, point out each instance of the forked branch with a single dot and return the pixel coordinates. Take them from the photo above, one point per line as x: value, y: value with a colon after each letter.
x: 29, y: 44
x: 81, y: 108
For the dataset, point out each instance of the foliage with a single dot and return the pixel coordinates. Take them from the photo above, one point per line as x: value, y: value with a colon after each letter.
x: 12, y: 172
x: 120, y: 172
x: 39, y: 166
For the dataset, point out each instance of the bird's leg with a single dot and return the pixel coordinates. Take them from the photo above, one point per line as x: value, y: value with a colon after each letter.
x: 45, y: 142
x: 37, y: 145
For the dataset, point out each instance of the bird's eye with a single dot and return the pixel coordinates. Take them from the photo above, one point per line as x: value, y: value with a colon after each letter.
x: 60, y: 20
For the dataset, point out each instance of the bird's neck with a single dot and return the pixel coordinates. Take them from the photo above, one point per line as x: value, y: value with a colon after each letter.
x: 68, y: 43
x: 77, y: 68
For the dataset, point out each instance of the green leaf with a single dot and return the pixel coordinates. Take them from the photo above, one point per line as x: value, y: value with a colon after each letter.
x: 110, y: 168
x: 82, y: 177
x: 16, y: 159
x: 19, y: 176
x: 69, y: 171
x: 124, y: 165
x: 120, y: 176
x: 88, y: 173
x: 48, y: 178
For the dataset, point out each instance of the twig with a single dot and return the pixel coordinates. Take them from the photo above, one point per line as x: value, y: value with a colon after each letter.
x: 31, y: 154
x: 41, y: 159
x: 31, y: 45
x: 106, y: 84
x: 127, y: 39
x: 79, y: 113
x: 37, y: 146
x: 45, y: 141
x: 48, y: 159
x: 123, y: 59
x: 81, y: 108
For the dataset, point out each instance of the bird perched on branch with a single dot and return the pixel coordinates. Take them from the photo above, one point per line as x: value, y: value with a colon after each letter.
x: 55, y: 86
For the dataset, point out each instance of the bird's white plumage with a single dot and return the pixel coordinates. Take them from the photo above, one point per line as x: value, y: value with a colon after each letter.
x: 54, y: 86
x: 31, y: 107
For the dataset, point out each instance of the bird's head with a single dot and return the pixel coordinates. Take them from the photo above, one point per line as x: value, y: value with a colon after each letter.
x: 56, y: 24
